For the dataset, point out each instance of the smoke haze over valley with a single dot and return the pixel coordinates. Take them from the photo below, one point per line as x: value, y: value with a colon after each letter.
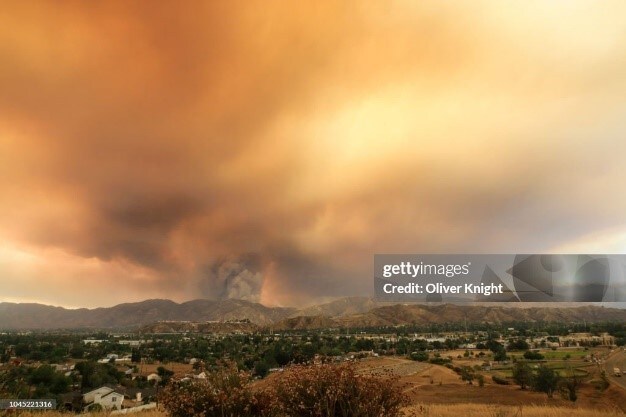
x: 264, y: 152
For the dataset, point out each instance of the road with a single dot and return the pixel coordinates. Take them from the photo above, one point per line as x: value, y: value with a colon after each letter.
x: 616, y: 359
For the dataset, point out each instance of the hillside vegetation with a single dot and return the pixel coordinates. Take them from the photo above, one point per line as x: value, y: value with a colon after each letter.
x: 432, y: 410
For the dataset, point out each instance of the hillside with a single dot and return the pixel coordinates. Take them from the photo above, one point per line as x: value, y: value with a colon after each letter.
x: 306, y: 322
x: 349, y: 312
x: 341, y: 307
x: 448, y: 313
x: 199, y: 327
x: 38, y: 316
x: 406, y: 314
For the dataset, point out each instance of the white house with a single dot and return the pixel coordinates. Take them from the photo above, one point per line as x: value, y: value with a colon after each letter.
x: 153, y: 377
x: 106, y: 397
x: 112, y: 400
x: 93, y: 341
x: 89, y: 396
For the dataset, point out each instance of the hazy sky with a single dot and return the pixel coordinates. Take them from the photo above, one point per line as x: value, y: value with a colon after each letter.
x: 266, y: 151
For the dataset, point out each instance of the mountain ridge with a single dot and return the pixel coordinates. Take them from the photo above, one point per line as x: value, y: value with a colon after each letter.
x: 347, y: 312
x: 128, y: 315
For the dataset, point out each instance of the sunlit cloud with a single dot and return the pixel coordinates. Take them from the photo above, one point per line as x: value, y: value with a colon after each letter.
x: 266, y: 151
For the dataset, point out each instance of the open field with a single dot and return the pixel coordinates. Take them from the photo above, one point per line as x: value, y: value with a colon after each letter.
x: 483, y: 410
x: 434, y: 384
x: 179, y: 369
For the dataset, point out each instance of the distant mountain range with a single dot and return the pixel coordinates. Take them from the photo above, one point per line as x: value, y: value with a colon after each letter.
x: 406, y: 314
x: 346, y: 312
x: 38, y: 316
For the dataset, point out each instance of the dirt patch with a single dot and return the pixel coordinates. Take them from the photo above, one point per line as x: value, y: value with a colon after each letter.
x: 472, y: 394
x: 433, y: 374
x: 180, y: 369
x: 396, y: 367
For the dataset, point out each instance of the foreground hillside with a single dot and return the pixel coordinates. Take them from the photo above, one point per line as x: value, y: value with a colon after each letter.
x: 430, y: 410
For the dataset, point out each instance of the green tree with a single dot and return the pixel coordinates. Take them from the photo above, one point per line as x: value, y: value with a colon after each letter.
x: 546, y: 380
x: 60, y: 384
x: 518, y: 344
x: 569, y: 386
x: 42, y: 375
x: 499, y: 354
x: 261, y: 368
x: 419, y: 356
x: 165, y: 374
x: 522, y: 374
x: 533, y: 355
x: 77, y: 352
x: 467, y: 374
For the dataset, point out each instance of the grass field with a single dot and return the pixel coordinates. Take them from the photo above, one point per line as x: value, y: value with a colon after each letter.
x: 482, y: 410
x: 434, y: 410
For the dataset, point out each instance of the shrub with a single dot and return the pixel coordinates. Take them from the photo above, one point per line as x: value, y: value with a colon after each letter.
x: 336, y: 391
x: 533, y: 355
x: 467, y: 374
x: 439, y: 361
x: 499, y: 380
x: 225, y: 393
x: 419, y: 356
x: 301, y: 391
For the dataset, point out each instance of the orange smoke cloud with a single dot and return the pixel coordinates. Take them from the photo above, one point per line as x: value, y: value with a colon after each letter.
x: 266, y: 151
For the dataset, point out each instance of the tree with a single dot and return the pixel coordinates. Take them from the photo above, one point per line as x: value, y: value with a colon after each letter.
x: 522, y: 374
x: 165, y: 374
x: 86, y: 370
x: 533, y: 355
x: 283, y: 357
x: 546, y: 380
x: 569, y: 386
x: 42, y: 375
x: 77, y: 352
x: 518, y: 344
x: 261, y: 368
x: 467, y: 374
x: 419, y: 356
x: 499, y: 354
x: 94, y: 374
x: 60, y: 384
x: 135, y: 356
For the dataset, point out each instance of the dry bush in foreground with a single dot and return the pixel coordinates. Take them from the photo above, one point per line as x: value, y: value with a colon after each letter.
x: 431, y: 410
x: 225, y: 393
x: 336, y: 391
x: 302, y: 391
x: 149, y: 413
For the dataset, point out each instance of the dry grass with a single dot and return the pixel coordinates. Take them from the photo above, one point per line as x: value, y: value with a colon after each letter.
x: 427, y: 410
x: 147, y: 413
x: 483, y: 410
x: 179, y: 369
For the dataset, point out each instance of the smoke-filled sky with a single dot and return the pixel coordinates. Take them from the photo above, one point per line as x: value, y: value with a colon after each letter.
x: 266, y: 150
